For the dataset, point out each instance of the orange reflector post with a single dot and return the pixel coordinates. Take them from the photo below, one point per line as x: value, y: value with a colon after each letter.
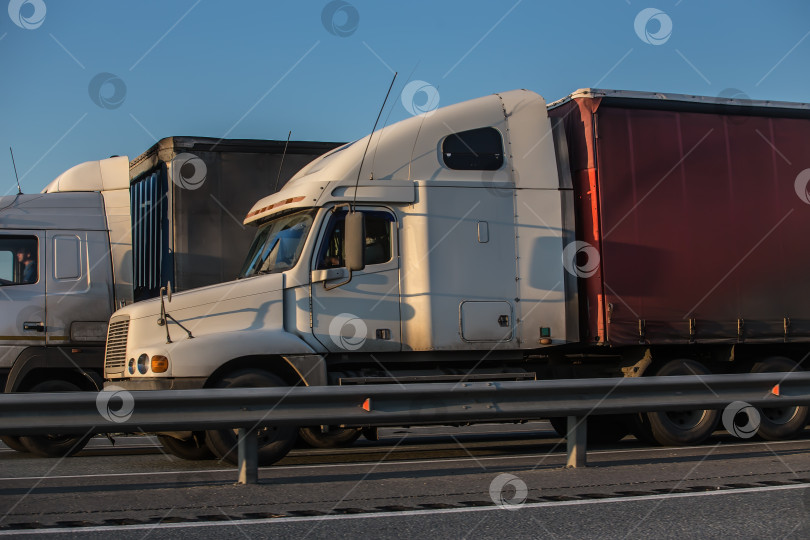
x: 775, y: 390
x: 367, y: 405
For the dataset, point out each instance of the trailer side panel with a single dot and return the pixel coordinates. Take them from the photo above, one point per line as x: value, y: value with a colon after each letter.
x: 700, y: 224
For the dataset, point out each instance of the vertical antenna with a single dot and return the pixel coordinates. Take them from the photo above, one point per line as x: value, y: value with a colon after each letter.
x: 19, y: 189
x: 359, y: 170
x: 379, y: 139
x: 275, y: 188
x: 418, y: 131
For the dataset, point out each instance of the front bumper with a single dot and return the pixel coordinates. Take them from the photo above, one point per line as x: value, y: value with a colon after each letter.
x: 167, y: 383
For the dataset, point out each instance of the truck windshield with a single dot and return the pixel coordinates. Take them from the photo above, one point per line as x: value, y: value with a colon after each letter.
x: 278, y: 244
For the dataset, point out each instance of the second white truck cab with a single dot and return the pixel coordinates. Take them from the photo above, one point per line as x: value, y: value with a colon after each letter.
x: 65, y: 266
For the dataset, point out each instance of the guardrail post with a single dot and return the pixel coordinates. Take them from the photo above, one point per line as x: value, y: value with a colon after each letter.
x: 248, y: 456
x: 577, y: 442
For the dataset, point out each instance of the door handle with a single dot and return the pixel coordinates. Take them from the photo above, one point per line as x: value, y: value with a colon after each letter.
x: 36, y: 326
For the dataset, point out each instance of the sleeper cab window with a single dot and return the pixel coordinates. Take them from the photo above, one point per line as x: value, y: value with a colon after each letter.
x: 18, y: 260
x: 474, y: 150
x: 378, y: 240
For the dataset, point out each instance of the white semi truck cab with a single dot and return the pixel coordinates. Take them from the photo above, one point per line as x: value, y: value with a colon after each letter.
x: 442, y: 272
x: 64, y: 268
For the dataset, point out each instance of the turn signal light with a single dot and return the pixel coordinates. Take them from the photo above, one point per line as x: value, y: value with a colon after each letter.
x: 160, y: 364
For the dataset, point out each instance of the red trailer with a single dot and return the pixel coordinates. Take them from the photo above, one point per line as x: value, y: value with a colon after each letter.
x: 698, y: 209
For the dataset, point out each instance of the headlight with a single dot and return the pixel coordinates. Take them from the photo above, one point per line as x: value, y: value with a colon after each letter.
x: 132, y: 366
x: 143, y: 364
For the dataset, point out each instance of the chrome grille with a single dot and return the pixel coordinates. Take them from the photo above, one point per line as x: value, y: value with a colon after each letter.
x: 116, y: 354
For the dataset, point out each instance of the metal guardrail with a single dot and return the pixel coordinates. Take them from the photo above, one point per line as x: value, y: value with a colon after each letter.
x: 117, y: 410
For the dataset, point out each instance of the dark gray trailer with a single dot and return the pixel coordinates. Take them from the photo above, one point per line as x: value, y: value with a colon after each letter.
x: 189, y: 196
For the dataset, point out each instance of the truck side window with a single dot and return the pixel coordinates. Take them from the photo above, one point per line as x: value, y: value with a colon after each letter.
x: 474, y: 150
x: 378, y: 240
x: 18, y: 260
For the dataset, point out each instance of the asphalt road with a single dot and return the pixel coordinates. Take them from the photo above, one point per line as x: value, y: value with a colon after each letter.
x: 483, y: 481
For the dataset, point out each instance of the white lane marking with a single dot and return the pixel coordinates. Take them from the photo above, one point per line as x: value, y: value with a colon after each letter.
x: 404, y: 513
x: 368, y: 463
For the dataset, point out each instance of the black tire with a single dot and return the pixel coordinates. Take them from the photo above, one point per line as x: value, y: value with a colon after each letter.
x: 55, y: 445
x: 778, y: 423
x: 682, y: 428
x: 602, y: 429
x: 188, y: 449
x: 14, y: 443
x: 275, y: 442
x: 334, y: 438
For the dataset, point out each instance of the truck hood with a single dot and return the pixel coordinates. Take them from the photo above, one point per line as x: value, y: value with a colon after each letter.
x: 206, y: 301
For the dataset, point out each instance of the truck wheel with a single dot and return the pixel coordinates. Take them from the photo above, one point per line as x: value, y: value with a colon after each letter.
x: 274, y: 441
x: 680, y: 428
x: 13, y: 442
x: 602, y: 429
x: 779, y: 422
x: 55, y: 445
x: 334, y: 438
x: 188, y: 449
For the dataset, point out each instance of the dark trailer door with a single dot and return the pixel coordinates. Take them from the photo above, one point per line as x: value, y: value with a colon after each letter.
x: 189, y: 196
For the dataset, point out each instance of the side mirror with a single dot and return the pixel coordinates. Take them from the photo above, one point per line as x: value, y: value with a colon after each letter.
x: 354, y: 241
x: 169, y: 291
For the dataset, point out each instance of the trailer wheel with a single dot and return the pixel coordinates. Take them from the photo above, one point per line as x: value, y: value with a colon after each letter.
x: 679, y: 428
x: 334, y: 438
x: 275, y: 442
x: 779, y: 422
x: 602, y: 429
x: 14, y: 443
x: 188, y: 449
x: 55, y: 445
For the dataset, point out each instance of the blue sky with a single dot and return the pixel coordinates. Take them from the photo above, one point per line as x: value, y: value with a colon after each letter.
x: 255, y: 69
